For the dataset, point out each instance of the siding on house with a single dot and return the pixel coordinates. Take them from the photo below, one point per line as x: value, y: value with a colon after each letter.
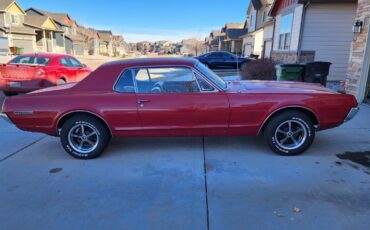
x: 297, y: 10
x: 328, y: 32
x: 258, y: 42
x: 275, y: 44
x: 267, y: 39
x: 296, y: 30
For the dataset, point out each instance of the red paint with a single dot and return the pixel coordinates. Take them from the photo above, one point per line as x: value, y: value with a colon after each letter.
x: 33, y: 77
x: 242, y: 109
x: 279, y: 5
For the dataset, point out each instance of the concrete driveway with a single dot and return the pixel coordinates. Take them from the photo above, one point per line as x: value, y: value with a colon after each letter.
x: 186, y: 183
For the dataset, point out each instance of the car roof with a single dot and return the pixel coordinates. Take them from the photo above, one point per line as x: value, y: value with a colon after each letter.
x: 104, y: 77
x: 152, y: 62
x: 46, y: 55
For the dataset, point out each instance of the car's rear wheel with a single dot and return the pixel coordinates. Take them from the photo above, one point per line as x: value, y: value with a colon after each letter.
x: 289, y: 133
x: 84, y: 137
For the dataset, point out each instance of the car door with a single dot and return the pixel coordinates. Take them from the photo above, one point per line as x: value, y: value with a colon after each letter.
x: 81, y: 71
x: 67, y: 70
x: 230, y: 61
x: 171, y: 102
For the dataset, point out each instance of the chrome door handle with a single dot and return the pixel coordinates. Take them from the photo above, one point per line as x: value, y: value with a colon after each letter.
x: 141, y: 101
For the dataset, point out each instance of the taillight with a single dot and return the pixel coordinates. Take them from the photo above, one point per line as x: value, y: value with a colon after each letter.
x: 40, y: 73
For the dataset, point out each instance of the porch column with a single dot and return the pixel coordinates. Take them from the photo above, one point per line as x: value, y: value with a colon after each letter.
x: 44, y: 41
x: 51, y: 41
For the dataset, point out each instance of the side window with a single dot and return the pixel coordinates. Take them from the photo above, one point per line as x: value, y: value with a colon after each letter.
x: 65, y: 62
x: 166, y: 80
x: 215, y: 55
x: 125, y: 83
x: 226, y: 55
x: 75, y: 62
x: 22, y: 60
x: 203, y: 84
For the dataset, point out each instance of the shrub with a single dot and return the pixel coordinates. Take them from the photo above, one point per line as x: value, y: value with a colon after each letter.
x: 260, y: 69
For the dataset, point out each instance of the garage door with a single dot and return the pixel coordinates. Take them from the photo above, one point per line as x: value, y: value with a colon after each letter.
x: 4, y: 46
x: 27, y: 45
x: 79, y: 51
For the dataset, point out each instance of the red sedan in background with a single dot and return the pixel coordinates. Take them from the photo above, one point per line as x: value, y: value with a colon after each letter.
x: 177, y: 97
x: 30, y: 72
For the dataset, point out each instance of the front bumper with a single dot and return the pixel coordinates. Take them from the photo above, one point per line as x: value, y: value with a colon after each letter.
x: 352, y: 113
x: 6, y: 118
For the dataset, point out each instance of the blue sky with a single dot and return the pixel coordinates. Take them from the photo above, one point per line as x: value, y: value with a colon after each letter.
x: 152, y: 20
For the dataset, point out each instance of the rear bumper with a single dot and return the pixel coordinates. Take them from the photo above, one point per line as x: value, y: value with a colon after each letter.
x: 6, y: 118
x: 23, y: 86
x: 352, y: 113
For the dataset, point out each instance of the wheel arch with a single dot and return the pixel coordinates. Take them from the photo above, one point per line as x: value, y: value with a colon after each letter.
x: 308, y: 112
x: 66, y: 116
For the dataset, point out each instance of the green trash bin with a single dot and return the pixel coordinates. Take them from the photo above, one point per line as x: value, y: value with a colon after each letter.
x: 290, y: 72
x: 20, y: 51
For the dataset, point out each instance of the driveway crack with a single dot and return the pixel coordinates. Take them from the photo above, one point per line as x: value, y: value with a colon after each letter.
x: 20, y: 150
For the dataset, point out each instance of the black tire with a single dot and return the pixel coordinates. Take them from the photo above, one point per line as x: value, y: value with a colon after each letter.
x: 9, y: 94
x: 283, y: 134
x: 91, y: 125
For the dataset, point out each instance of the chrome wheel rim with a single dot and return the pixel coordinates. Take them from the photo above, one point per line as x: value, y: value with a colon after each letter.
x: 83, y: 138
x: 291, y: 135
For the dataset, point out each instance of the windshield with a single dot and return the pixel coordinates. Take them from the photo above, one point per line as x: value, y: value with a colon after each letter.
x: 211, y: 75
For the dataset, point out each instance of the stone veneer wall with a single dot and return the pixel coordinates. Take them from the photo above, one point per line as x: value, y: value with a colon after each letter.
x: 358, y: 52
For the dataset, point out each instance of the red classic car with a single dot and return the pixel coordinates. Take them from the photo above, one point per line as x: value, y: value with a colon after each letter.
x: 30, y: 72
x: 177, y: 97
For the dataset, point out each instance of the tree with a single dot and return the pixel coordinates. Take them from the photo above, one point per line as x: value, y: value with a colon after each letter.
x: 194, y: 46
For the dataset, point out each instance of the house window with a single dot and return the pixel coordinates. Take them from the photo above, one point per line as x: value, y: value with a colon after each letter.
x: 285, y: 33
x: 15, y: 19
x: 252, y: 20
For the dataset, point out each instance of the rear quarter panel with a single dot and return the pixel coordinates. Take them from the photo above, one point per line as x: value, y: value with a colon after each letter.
x: 248, y: 112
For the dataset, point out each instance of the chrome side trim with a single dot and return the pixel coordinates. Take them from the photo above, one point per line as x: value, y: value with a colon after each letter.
x: 82, y: 111
x: 6, y: 118
x: 352, y: 113
x: 287, y: 107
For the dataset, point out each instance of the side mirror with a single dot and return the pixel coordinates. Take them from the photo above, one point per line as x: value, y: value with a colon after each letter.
x: 84, y: 65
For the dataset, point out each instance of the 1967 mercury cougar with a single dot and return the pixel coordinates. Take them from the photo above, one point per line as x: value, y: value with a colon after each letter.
x: 177, y: 97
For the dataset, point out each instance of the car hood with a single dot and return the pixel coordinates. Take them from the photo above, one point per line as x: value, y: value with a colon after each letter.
x: 276, y: 87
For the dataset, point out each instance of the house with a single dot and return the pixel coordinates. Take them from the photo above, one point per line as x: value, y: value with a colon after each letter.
x: 67, y: 40
x: 260, y: 27
x: 13, y: 33
x: 358, y: 72
x: 45, y: 29
x: 221, y: 43
x: 314, y: 30
x: 106, y: 42
x: 233, y: 40
x: 145, y: 46
x: 91, y: 39
x: 119, y: 45
x: 214, y: 40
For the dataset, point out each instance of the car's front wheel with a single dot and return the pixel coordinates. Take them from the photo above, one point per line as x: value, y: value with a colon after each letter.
x: 84, y: 137
x: 290, y: 133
